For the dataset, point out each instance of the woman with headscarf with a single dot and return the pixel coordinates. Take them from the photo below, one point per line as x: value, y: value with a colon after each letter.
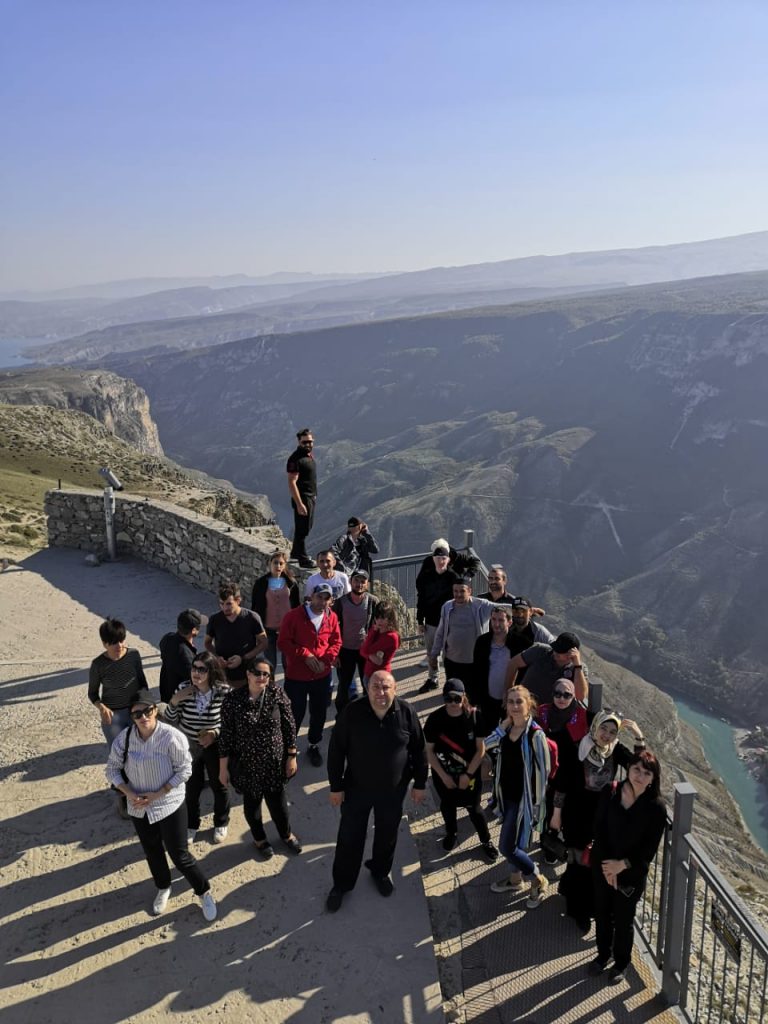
x: 520, y: 783
x: 600, y: 754
x: 629, y: 824
x: 565, y: 721
x: 257, y: 752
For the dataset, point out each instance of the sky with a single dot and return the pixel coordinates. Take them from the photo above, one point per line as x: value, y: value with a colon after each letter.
x: 184, y: 137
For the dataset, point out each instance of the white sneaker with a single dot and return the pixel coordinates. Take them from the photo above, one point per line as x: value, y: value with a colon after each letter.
x: 220, y: 834
x: 161, y: 901
x: 208, y: 904
x: 424, y: 663
x: 191, y: 833
x: 538, y: 888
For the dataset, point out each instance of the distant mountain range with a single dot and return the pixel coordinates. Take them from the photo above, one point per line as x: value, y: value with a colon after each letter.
x: 609, y: 449
x: 200, y: 317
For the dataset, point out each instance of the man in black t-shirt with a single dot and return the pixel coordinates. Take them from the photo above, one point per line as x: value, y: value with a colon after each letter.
x: 302, y: 486
x: 234, y: 634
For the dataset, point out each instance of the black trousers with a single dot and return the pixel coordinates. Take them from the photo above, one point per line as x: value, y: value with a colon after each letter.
x: 614, y: 920
x: 355, y: 811
x: 278, y: 810
x: 316, y: 692
x: 452, y: 799
x: 301, y: 527
x: 349, y: 661
x: 169, y: 835
x: 466, y: 673
x: 207, y: 762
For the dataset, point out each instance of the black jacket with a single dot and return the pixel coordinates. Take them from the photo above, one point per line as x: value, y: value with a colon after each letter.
x: 377, y: 755
x: 633, y: 834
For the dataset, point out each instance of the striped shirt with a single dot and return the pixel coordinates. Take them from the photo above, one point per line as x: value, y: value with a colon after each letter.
x: 203, y: 711
x: 161, y: 760
x: 115, y: 683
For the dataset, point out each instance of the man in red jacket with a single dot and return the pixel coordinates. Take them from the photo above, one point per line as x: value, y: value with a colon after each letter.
x: 310, y: 640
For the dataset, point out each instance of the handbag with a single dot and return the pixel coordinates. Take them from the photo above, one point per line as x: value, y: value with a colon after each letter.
x: 553, y: 845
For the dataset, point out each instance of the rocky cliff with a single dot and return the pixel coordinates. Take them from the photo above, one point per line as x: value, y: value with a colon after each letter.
x: 119, y: 404
x: 608, y: 449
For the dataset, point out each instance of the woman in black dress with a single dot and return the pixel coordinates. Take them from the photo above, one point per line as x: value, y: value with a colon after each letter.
x: 257, y: 752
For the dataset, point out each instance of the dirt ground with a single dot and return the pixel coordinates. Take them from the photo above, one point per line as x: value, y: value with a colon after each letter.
x: 79, y: 943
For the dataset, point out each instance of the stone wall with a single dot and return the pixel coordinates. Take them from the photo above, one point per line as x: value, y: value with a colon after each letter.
x: 193, y: 547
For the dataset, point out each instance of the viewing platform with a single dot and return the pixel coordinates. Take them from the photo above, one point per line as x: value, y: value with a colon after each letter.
x: 80, y: 943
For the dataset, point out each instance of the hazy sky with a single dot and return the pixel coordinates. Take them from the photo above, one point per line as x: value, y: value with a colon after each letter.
x: 170, y: 137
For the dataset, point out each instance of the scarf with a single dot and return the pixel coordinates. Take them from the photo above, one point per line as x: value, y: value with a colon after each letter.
x: 589, y: 749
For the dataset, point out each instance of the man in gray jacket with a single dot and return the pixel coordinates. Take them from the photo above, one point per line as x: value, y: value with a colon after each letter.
x: 462, y: 621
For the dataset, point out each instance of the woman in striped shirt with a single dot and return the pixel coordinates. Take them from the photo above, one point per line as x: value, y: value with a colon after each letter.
x: 196, y: 709
x: 149, y: 763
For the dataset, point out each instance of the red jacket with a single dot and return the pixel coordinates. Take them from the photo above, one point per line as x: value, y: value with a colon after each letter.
x: 298, y: 638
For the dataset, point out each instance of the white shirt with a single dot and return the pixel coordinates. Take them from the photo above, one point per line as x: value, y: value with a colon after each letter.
x: 339, y: 584
x: 161, y: 760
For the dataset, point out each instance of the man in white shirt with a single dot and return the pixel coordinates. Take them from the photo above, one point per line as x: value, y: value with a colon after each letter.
x: 337, y: 581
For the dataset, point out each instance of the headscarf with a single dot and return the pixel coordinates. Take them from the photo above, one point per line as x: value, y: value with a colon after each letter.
x: 589, y: 749
x: 557, y: 717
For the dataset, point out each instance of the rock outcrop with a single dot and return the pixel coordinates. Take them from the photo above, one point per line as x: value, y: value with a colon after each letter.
x: 120, y: 404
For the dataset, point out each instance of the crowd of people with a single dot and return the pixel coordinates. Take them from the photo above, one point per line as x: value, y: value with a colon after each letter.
x: 514, y: 710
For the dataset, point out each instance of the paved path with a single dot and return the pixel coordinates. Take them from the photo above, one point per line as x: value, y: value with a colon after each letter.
x: 80, y: 945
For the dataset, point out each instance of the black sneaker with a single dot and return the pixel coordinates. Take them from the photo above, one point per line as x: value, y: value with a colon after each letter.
x: 449, y: 841
x: 616, y: 975
x: 596, y: 966
x: 333, y: 900
x: 384, y: 884
x: 431, y: 684
x: 490, y: 851
x: 314, y: 756
x: 307, y: 563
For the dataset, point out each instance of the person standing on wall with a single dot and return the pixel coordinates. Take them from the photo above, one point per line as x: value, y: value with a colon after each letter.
x: 302, y: 486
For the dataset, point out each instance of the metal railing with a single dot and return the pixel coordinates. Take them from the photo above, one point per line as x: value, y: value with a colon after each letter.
x: 711, y: 953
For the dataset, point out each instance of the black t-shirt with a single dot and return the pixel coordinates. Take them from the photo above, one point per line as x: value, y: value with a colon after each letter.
x: 512, y: 768
x: 454, y: 739
x: 176, y: 656
x: 235, y: 637
x: 302, y: 463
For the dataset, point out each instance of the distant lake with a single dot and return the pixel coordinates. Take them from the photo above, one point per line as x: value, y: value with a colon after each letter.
x: 10, y: 351
x: 718, y: 740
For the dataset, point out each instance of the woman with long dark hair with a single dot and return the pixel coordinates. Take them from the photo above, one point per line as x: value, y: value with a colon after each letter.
x: 257, y: 751
x: 195, y: 708
x: 630, y: 821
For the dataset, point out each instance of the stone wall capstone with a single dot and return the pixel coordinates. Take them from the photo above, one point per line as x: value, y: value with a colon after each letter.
x: 194, y: 548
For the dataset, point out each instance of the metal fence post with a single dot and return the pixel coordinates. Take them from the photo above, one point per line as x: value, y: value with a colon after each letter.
x: 595, y: 695
x: 469, y: 540
x: 674, y: 931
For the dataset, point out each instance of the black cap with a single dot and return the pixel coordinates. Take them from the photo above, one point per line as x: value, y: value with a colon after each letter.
x: 565, y: 642
x: 453, y: 686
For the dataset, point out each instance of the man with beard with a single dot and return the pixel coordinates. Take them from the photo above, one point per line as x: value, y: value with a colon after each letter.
x: 511, y: 631
x: 355, y: 612
x: 302, y: 487
x: 497, y: 587
x: 545, y: 663
x: 462, y: 620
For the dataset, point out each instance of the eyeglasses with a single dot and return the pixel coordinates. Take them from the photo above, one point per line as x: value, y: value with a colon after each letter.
x: 259, y: 672
x: 453, y: 698
x: 146, y: 713
x: 562, y: 693
x: 199, y: 668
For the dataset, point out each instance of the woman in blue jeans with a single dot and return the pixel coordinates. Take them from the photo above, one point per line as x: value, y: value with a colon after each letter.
x: 520, y: 784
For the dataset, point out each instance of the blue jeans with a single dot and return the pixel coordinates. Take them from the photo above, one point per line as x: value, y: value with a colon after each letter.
x: 121, y: 719
x: 517, y: 857
x: 318, y: 693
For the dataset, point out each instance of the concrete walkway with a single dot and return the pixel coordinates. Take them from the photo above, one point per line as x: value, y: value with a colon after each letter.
x: 80, y: 944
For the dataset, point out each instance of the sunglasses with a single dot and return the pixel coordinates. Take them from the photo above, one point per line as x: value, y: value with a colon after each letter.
x: 562, y: 693
x: 259, y: 673
x: 453, y: 698
x: 146, y: 713
x: 199, y: 668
